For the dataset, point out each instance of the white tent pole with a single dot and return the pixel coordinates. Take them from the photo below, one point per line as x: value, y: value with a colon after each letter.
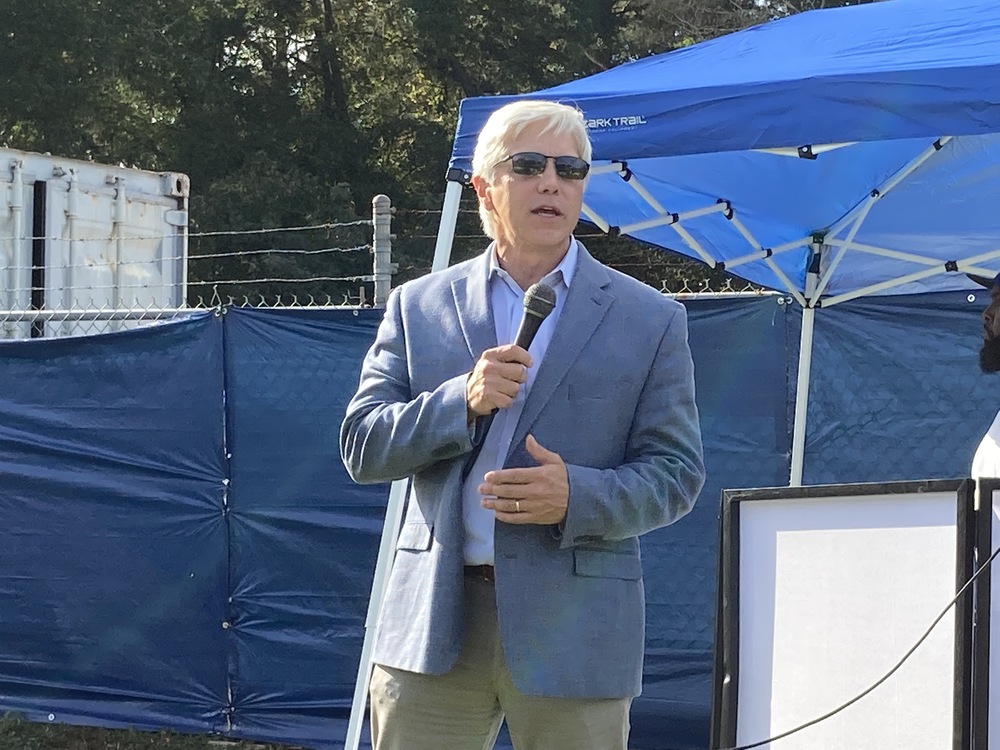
x: 852, y: 233
x: 856, y: 216
x: 761, y: 254
x: 890, y: 183
x: 967, y: 265
x: 802, y: 397
x: 766, y: 257
x: 802, y: 383
x: 446, y: 229
x: 394, y: 507
x: 810, y: 151
x: 390, y: 531
x: 595, y: 217
x: 666, y: 218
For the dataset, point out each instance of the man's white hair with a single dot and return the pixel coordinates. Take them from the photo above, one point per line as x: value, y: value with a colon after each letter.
x: 507, y: 123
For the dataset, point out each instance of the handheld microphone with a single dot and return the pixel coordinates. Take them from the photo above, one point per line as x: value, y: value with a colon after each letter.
x: 539, y: 301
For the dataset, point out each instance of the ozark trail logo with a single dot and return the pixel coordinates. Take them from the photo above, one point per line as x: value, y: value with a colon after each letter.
x: 625, y: 122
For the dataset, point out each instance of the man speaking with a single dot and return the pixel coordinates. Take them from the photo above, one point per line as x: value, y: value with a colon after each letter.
x: 516, y: 591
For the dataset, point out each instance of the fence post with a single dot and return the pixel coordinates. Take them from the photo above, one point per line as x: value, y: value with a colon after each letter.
x: 382, y: 266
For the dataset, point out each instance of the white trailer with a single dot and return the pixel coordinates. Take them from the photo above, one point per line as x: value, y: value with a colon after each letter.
x: 83, y: 246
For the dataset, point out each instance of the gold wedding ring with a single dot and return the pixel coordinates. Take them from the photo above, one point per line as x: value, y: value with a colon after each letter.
x: 517, y: 506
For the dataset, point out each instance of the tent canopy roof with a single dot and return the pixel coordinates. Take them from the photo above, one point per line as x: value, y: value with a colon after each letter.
x: 872, y: 129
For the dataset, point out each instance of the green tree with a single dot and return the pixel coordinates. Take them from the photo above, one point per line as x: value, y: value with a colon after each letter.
x: 654, y: 26
x: 289, y: 113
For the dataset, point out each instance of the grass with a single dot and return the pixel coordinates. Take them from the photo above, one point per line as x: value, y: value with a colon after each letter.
x: 18, y: 734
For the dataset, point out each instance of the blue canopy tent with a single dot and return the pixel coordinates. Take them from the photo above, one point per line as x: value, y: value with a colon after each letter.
x: 829, y: 155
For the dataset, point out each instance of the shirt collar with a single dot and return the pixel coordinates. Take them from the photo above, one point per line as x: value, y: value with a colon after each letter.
x: 564, y: 271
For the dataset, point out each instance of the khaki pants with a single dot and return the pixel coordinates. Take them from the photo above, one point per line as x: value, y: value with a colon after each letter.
x: 463, y: 709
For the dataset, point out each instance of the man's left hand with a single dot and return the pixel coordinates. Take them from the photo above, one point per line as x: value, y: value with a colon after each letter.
x: 538, y: 494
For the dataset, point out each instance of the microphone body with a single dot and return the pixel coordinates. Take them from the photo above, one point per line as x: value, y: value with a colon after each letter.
x: 539, y: 301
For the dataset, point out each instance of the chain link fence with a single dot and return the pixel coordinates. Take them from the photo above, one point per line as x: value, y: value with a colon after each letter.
x: 348, y: 264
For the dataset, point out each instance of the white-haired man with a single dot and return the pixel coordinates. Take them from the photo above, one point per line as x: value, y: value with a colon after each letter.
x: 516, y: 591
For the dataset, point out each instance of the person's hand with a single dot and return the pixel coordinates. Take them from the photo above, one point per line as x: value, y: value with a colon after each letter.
x: 537, y: 494
x: 495, y: 380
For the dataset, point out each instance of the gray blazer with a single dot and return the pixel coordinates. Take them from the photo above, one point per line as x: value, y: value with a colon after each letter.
x: 614, y: 397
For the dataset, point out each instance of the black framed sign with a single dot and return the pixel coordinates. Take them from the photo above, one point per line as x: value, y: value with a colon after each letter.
x: 822, y: 592
x: 986, y: 677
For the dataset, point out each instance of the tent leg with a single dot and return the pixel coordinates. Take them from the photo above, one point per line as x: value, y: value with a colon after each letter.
x: 802, y: 396
x: 446, y: 229
x: 390, y: 530
x: 805, y: 367
x: 395, y: 506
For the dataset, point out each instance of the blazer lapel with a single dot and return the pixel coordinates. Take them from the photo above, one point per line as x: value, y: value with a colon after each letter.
x: 587, y: 302
x: 474, y: 308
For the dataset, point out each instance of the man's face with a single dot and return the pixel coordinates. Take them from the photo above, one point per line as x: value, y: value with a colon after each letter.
x: 533, y: 214
x: 989, y: 354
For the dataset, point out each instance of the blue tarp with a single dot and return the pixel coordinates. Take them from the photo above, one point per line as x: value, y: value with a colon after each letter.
x: 888, y: 79
x: 182, y: 548
x: 896, y: 378
x: 113, y: 558
x: 303, y: 537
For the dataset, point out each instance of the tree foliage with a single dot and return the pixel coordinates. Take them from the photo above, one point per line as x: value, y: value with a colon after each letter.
x: 296, y: 112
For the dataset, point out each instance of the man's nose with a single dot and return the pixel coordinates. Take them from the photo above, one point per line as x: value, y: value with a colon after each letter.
x: 548, y: 180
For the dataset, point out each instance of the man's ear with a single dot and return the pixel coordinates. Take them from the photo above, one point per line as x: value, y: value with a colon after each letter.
x: 482, y: 187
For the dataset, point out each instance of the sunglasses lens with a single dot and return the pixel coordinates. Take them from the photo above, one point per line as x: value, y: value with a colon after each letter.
x: 571, y: 167
x: 528, y: 163
x: 533, y: 164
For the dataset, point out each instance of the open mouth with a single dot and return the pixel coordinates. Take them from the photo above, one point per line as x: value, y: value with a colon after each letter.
x: 546, y: 211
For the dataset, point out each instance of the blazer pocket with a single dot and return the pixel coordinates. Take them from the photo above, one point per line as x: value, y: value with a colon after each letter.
x: 595, y: 563
x: 415, y: 536
x: 600, y: 390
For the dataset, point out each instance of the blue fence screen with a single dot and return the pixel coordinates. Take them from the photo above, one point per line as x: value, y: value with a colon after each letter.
x: 183, y: 549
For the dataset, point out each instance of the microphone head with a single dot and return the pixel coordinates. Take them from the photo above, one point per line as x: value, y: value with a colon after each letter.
x: 539, y: 300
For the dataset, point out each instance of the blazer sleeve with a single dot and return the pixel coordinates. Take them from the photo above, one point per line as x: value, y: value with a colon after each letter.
x: 663, y: 470
x: 388, y: 433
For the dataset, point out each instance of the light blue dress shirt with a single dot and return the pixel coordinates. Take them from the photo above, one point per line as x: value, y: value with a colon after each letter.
x: 507, y: 300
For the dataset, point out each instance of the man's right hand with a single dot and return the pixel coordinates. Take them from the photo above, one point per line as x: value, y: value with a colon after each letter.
x: 495, y: 380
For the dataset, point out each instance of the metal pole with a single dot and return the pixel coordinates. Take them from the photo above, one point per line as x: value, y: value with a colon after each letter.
x: 802, y: 397
x: 446, y: 229
x: 118, y: 217
x: 70, y: 294
x: 397, y: 495
x: 805, y: 365
x: 19, y: 295
x: 382, y: 248
x: 390, y: 531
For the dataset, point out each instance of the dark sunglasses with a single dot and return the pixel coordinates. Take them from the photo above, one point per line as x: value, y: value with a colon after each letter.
x: 532, y: 164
